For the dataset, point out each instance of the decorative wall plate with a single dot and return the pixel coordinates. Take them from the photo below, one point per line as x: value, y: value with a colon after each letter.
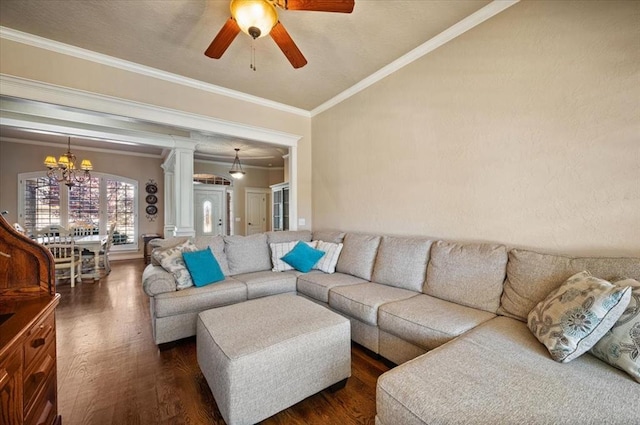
x: 151, y: 187
x: 151, y: 210
x: 151, y: 199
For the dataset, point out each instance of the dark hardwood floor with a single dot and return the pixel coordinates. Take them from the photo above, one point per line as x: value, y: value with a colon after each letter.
x: 111, y: 372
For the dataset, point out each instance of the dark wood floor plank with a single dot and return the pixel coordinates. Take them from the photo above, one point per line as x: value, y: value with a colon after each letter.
x: 111, y: 372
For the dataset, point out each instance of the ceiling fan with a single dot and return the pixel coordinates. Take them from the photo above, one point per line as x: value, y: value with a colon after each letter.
x: 259, y: 18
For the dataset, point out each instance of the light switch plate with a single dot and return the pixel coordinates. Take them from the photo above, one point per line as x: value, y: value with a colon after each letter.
x: 237, y: 219
x: 302, y: 222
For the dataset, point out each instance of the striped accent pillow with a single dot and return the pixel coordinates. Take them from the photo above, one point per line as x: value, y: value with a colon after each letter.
x: 328, y: 262
x: 279, y: 250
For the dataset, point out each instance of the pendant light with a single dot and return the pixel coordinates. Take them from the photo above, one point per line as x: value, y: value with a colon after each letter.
x: 236, y: 169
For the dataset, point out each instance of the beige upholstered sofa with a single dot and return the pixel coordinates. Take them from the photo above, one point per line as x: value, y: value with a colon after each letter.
x: 452, y: 315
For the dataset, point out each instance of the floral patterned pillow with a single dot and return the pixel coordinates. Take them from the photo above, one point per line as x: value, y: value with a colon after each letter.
x: 171, y: 260
x: 620, y: 347
x: 576, y: 315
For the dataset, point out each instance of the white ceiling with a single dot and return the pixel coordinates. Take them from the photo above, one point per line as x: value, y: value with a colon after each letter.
x: 172, y: 35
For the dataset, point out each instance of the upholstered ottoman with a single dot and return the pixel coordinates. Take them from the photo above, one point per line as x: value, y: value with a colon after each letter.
x: 262, y: 356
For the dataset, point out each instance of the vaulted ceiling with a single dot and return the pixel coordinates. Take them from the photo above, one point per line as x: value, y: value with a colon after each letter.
x: 172, y: 35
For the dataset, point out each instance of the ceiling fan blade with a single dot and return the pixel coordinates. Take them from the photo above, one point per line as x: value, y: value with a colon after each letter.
x: 224, y: 38
x: 339, y: 6
x: 288, y: 47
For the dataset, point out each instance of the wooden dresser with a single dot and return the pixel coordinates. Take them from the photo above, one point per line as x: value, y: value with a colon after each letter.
x: 28, y: 384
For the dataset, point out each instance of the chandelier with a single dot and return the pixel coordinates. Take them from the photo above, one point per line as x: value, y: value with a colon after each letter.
x: 65, y: 171
x: 236, y: 169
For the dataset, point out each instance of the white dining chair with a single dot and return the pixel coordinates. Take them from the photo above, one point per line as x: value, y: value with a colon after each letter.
x: 66, y: 259
x: 104, y: 265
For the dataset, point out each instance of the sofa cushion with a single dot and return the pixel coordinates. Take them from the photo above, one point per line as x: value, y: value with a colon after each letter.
x: 265, y: 283
x: 159, y: 244
x: 171, y: 260
x: 498, y: 373
x: 279, y: 250
x: 362, y: 301
x: 329, y: 261
x: 531, y: 276
x: 288, y: 236
x: 358, y: 255
x: 402, y: 262
x: 328, y: 236
x: 317, y: 285
x: 429, y: 322
x: 216, y: 245
x: 247, y: 254
x: 229, y: 291
x: 620, y: 347
x: 576, y: 315
x: 467, y: 274
x: 203, y: 267
x: 303, y: 257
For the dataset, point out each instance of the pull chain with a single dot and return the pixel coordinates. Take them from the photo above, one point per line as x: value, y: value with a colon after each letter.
x: 253, y: 56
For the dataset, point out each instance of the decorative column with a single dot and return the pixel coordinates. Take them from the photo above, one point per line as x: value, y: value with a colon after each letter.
x: 179, y: 182
x: 169, y: 201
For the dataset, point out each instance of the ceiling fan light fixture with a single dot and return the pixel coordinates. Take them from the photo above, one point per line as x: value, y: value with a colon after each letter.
x: 254, y: 17
x: 236, y: 169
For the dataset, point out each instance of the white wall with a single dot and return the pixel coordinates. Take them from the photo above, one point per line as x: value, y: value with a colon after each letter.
x: 524, y: 131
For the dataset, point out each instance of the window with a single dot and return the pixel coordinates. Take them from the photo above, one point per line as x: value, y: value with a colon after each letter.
x: 102, y: 200
x: 41, y: 197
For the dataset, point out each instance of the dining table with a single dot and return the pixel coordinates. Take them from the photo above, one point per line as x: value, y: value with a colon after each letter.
x: 93, y: 244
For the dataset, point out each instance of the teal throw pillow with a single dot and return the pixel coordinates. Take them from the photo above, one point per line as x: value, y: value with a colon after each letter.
x: 302, y: 257
x: 203, y: 267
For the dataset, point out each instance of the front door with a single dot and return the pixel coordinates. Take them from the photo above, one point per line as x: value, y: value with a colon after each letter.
x: 256, y: 212
x: 210, y: 219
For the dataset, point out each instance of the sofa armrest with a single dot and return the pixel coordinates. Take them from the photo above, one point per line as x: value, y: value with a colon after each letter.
x: 156, y: 280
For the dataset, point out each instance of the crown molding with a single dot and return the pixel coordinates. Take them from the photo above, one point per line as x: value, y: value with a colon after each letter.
x: 80, y: 148
x: 67, y: 49
x: 50, y: 93
x: 444, y: 37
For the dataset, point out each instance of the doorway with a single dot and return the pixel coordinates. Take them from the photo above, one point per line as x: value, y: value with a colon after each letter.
x: 256, y: 210
x: 210, y: 210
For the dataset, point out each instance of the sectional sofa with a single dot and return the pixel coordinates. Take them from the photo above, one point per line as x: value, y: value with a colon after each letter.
x: 451, y: 315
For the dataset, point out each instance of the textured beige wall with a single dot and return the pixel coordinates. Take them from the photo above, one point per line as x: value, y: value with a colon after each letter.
x: 524, y: 131
x: 37, y: 64
x: 255, y: 178
x: 24, y: 158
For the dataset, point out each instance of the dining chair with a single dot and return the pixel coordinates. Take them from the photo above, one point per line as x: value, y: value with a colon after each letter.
x: 82, y: 228
x: 104, y: 255
x: 53, y: 230
x: 88, y: 259
x: 66, y: 259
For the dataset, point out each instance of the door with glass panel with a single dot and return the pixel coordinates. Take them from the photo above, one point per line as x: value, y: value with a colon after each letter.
x: 210, y: 218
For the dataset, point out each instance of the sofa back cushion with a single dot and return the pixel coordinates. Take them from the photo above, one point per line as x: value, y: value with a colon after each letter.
x: 467, y: 274
x: 289, y: 236
x: 531, y: 276
x: 216, y: 245
x: 332, y: 236
x: 358, y: 255
x: 247, y: 254
x: 160, y: 244
x: 402, y: 262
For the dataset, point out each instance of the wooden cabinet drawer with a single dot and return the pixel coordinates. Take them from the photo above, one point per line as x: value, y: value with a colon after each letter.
x: 44, y: 411
x: 36, y: 376
x: 38, y: 338
x: 11, y: 388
